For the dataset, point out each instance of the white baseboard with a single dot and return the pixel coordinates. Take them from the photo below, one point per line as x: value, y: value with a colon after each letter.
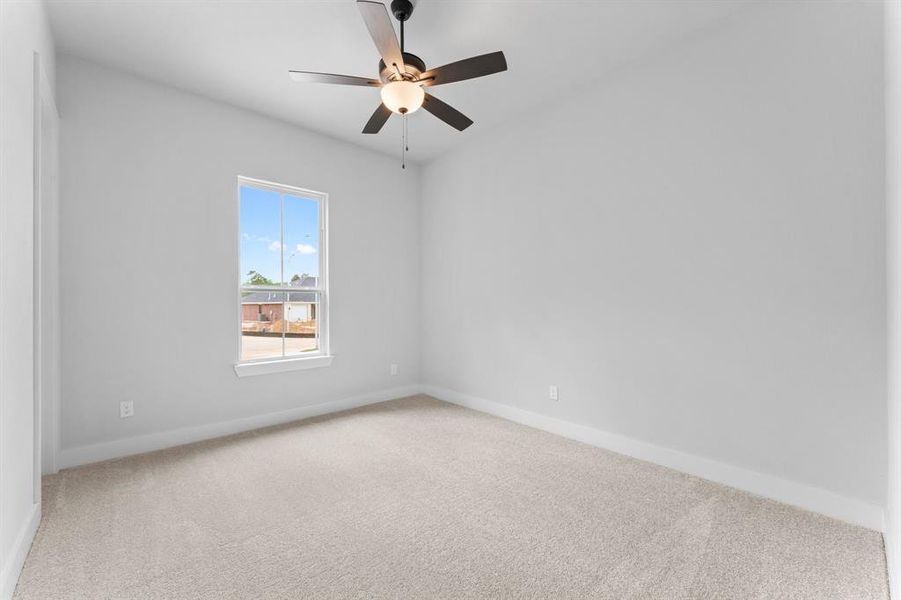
x: 801, y: 495
x: 797, y: 494
x: 894, y: 569
x: 9, y: 576
x: 82, y: 455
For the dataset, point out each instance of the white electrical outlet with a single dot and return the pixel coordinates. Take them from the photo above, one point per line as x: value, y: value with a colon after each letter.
x: 126, y: 409
x: 394, y: 368
x: 552, y: 393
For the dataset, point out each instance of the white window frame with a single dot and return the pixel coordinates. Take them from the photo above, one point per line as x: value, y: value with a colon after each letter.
x: 311, y: 360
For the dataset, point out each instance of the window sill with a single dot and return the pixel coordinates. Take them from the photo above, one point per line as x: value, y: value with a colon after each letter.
x: 282, y: 364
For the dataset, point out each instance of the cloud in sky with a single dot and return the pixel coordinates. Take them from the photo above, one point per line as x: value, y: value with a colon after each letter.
x: 275, y: 246
x: 306, y: 249
x: 255, y: 238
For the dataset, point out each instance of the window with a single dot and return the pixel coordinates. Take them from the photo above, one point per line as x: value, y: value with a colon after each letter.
x: 282, y: 285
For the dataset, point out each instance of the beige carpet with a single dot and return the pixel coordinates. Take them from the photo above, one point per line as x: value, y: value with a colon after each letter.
x: 420, y: 499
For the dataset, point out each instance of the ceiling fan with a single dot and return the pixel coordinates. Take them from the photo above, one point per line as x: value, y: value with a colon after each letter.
x: 402, y: 75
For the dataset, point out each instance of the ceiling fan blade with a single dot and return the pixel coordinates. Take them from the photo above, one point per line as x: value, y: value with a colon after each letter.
x: 378, y: 119
x: 446, y: 113
x: 375, y: 15
x: 312, y: 77
x: 469, y: 68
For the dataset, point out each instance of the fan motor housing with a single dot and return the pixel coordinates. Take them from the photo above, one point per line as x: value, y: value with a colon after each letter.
x: 413, y: 65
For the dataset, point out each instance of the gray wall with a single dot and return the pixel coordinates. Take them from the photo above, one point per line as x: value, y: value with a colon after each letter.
x: 149, y: 258
x: 693, y: 250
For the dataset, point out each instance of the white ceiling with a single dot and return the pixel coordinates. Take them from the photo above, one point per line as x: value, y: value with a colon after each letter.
x: 239, y: 51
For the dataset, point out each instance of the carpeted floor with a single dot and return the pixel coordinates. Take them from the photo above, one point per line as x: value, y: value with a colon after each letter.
x: 419, y: 499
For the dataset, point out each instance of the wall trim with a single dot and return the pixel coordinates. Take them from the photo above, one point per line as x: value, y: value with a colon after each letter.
x: 801, y: 495
x: 831, y: 504
x: 891, y: 556
x: 9, y: 576
x: 82, y: 455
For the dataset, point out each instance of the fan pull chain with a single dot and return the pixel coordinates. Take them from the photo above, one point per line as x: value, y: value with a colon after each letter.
x: 403, y: 152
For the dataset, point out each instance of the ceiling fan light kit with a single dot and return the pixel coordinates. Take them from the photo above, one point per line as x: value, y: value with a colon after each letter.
x: 402, y: 76
x: 402, y: 97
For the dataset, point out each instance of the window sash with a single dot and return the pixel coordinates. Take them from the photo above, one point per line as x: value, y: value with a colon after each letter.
x: 280, y: 288
x: 318, y: 303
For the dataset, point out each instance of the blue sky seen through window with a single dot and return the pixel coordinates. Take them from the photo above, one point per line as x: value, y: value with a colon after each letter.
x: 261, y: 238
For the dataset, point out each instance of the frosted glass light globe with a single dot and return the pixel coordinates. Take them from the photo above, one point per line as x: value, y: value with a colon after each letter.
x: 402, y: 97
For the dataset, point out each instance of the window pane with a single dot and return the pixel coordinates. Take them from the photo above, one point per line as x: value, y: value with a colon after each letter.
x: 261, y: 217
x: 262, y: 324
x: 301, y: 241
x: 301, y: 333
